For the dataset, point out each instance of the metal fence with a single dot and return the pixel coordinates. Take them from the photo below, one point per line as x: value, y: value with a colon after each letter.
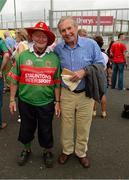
x: 120, y: 20
x: 23, y: 19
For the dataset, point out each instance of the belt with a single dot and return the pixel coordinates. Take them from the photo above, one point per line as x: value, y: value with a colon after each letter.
x: 79, y: 91
x: 76, y: 91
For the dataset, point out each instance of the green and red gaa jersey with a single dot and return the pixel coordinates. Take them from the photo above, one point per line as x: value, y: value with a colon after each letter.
x: 3, y: 49
x: 37, y: 77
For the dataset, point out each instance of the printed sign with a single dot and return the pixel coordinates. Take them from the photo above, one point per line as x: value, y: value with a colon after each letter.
x: 93, y: 20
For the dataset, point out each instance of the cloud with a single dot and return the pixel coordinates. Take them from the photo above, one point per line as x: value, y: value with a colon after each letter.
x: 104, y: 4
x: 37, y: 5
x: 76, y: 5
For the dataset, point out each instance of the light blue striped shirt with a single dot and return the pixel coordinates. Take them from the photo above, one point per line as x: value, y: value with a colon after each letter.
x: 10, y: 43
x: 86, y: 52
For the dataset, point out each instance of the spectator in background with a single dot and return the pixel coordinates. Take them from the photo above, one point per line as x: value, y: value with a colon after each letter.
x: 21, y: 37
x: 109, y: 64
x: 10, y: 42
x: 100, y: 42
x: 82, y: 32
x: 118, y: 52
x: 11, y: 45
x: 4, y: 58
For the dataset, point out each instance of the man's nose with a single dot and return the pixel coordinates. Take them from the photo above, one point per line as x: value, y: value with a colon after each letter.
x: 67, y: 31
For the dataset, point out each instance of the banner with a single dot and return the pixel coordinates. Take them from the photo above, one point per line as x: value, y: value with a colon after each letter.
x: 92, y: 20
x: 2, y: 3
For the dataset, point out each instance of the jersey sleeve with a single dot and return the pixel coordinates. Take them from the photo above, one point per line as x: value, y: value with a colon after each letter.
x: 57, y: 76
x: 14, y: 73
x: 4, y: 47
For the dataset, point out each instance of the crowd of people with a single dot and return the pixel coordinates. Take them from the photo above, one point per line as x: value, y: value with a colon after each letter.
x: 66, y: 78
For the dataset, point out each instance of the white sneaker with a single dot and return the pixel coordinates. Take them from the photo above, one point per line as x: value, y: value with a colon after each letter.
x: 94, y: 113
x: 104, y: 114
x: 19, y: 119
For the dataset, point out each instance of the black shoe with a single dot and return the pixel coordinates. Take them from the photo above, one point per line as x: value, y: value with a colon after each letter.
x: 23, y: 158
x: 48, y: 159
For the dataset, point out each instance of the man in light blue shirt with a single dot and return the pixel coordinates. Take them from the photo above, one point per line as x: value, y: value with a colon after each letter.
x: 76, y: 53
x: 10, y: 42
x: 84, y: 53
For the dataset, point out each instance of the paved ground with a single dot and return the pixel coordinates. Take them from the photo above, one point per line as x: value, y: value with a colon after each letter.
x: 108, y: 147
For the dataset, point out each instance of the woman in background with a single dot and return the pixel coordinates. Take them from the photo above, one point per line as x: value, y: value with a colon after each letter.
x: 100, y: 42
x: 21, y: 37
x: 109, y: 64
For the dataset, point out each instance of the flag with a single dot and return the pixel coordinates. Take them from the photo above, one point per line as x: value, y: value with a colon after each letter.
x: 2, y: 3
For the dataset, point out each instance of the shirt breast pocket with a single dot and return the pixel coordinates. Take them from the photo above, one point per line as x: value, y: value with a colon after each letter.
x: 86, y: 61
x: 65, y: 63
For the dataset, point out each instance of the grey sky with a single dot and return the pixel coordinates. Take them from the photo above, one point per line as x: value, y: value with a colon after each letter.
x: 34, y: 5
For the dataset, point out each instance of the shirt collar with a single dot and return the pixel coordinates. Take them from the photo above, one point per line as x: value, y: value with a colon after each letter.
x: 31, y: 49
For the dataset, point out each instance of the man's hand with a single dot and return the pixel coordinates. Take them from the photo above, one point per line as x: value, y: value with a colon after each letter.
x: 78, y: 75
x: 57, y: 109
x: 0, y: 74
x: 12, y: 106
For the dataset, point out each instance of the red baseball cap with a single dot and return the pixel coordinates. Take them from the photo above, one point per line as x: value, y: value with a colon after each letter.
x: 43, y: 27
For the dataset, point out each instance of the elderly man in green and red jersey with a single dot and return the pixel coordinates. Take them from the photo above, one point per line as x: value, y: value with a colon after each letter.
x: 37, y: 76
x: 4, y: 57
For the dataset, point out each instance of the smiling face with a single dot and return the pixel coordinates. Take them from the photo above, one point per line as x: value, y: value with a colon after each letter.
x: 69, y: 30
x: 40, y: 39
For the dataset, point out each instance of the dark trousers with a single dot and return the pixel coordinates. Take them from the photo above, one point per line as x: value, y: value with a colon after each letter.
x: 33, y: 117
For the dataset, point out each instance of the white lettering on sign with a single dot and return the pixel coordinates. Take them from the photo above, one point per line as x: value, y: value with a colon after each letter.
x: 85, y: 21
x: 38, y: 78
x: 92, y: 20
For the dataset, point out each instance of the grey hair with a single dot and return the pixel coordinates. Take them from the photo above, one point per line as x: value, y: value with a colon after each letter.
x: 7, y: 34
x: 63, y: 18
